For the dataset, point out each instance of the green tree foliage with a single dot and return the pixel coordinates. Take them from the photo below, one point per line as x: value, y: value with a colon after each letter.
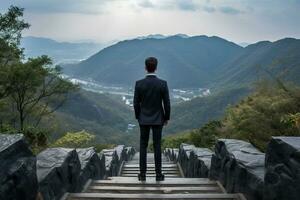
x: 29, y: 89
x: 11, y: 26
x: 34, y: 86
x: 202, y: 137
x: 259, y: 116
x: 273, y: 109
x: 79, y: 139
x: 206, y: 136
x: 292, y: 120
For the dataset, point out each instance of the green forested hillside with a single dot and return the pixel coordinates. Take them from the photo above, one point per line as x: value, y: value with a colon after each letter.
x: 272, y: 109
x: 195, y: 113
x: 96, y: 113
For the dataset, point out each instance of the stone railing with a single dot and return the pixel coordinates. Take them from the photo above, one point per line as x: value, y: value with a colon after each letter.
x: 54, y: 171
x: 18, y: 179
x: 241, y: 168
x: 172, y: 153
x: 115, y: 157
x: 282, y: 177
x: 194, y: 162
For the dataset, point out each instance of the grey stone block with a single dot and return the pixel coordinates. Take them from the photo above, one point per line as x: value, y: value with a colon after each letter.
x: 91, y: 166
x: 282, y: 179
x: 201, y: 162
x: 18, y: 180
x: 240, y: 167
x: 58, y: 171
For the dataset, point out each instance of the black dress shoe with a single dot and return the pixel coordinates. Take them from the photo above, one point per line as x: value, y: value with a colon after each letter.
x: 142, y: 176
x: 160, y: 177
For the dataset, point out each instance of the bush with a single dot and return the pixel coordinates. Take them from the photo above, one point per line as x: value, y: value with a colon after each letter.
x: 79, y: 139
x: 264, y: 114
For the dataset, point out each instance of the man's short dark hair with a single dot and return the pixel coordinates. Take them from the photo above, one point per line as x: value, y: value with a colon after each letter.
x: 151, y: 64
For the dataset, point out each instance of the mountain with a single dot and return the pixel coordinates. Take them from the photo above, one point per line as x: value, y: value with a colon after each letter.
x: 257, y: 61
x: 152, y: 36
x: 160, y: 36
x: 59, y: 51
x: 234, y: 81
x: 183, y: 61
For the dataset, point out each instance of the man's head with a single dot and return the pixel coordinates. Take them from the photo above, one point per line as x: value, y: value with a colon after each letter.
x: 151, y: 64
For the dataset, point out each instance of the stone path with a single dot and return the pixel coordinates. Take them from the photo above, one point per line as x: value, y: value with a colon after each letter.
x: 174, y: 186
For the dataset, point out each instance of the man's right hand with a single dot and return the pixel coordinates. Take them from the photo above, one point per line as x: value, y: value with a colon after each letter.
x: 166, y: 123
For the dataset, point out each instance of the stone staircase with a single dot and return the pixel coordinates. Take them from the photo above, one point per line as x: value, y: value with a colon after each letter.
x: 175, y: 186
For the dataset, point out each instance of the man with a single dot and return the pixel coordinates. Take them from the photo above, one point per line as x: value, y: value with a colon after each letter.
x: 152, y: 110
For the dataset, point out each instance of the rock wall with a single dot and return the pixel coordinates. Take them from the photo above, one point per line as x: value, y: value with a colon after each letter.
x: 92, y: 166
x: 195, y: 162
x: 18, y: 180
x: 201, y: 162
x: 58, y: 171
x: 114, y: 158
x: 54, y: 171
x: 239, y: 166
x: 172, y: 153
x: 282, y: 179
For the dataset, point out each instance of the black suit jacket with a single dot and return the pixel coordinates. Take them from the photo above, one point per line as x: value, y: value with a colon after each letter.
x: 151, y: 101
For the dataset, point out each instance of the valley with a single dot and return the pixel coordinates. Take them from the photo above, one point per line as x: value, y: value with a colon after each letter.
x: 125, y: 93
x: 204, y: 74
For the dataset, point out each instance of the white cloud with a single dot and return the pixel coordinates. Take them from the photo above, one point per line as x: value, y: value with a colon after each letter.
x: 106, y: 20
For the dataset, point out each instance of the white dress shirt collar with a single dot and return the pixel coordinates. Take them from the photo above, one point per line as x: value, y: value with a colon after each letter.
x: 149, y: 74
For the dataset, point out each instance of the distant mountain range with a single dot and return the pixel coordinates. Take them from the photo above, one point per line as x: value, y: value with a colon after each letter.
x: 263, y: 60
x: 160, y: 36
x: 183, y: 61
x: 197, y: 61
x: 58, y: 51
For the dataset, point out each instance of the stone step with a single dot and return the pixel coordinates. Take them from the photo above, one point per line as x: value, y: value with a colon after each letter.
x: 168, y: 182
x: 150, y: 165
x: 150, y: 171
x: 153, y: 190
x: 100, y: 196
x: 174, y: 187
x: 152, y: 175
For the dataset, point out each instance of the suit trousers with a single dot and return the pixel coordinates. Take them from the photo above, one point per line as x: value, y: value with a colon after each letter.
x: 144, y: 138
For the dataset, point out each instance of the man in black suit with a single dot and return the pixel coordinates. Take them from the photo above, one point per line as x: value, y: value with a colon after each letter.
x: 152, y: 110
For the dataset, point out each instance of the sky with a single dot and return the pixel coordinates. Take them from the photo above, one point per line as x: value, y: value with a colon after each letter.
x: 105, y: 21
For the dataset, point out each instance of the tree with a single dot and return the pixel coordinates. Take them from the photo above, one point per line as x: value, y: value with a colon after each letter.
x: 11, y: 26
x: 36, y: 89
